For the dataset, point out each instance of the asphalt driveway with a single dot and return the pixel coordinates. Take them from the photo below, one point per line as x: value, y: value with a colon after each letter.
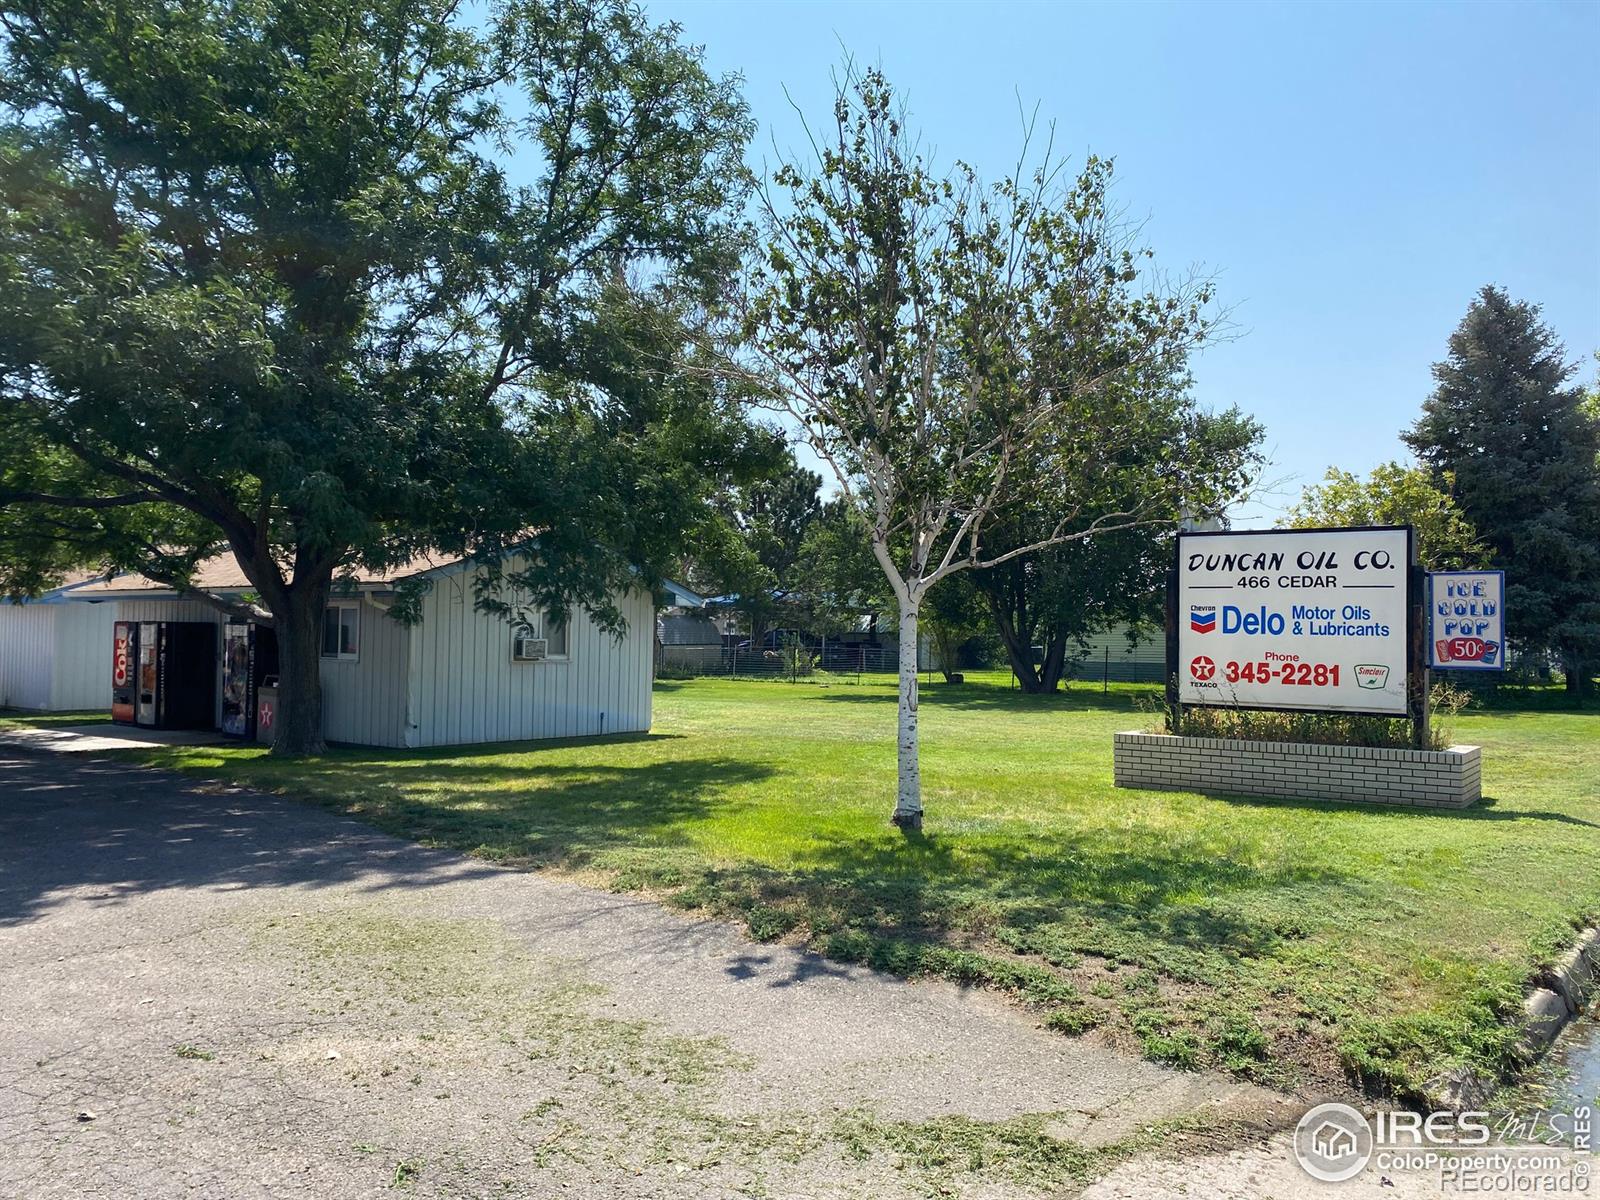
x: 212, y: 992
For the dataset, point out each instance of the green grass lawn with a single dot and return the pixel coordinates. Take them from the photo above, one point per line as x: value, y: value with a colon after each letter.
x: 1296, y: 943
x: 52, y: 720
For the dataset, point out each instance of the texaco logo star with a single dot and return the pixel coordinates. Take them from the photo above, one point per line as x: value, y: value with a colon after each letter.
x: 1202, y: 667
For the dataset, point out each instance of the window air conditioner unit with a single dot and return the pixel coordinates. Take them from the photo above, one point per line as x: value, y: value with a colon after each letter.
x: 529, y: 649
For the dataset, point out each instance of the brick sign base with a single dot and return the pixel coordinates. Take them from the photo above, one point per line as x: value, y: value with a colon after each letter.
x: 1299, y: 770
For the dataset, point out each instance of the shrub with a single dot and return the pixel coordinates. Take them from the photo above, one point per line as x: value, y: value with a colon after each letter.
x: 1342, y: 729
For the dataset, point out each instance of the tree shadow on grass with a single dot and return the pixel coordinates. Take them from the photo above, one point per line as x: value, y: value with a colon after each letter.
x: 546, y: 814
x: 347, y: 752
x: 1057, y: 896
x: 1079, y: 890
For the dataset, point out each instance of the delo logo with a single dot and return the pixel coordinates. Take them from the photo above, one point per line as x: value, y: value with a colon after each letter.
x: 1236, y: 620
x: 1203, y: 618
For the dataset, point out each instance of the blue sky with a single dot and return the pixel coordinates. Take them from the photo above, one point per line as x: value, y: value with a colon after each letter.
x: 1352, y: 172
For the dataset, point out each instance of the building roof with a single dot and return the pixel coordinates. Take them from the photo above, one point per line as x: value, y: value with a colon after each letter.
x: 60, y: 593
x: 222, y: 574
x: 682, y: 597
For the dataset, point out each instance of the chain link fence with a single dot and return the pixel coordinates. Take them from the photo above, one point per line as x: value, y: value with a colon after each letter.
x: 858, y: 663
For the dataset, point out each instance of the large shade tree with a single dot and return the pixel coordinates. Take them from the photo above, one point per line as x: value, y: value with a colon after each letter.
x: 1394, y: 494
x: 929, y: 334
x: 326, y: 286
x: 1187, y: 465
x: 1507, y: 423
x: 839, y: 585
x: 748, y: 548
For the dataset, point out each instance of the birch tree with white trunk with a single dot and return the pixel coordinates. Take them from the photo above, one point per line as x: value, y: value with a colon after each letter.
x: 930, y: 335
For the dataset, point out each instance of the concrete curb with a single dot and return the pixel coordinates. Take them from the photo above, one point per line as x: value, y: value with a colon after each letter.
x: 1560, y: 993
x: 1577, y: 972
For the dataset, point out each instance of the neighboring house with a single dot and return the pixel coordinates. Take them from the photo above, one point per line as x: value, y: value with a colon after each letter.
x: 1109, y: 656
x: 861, y: 639
x: 53, y: 653
x: 457, y: 676
x: 687, y: 639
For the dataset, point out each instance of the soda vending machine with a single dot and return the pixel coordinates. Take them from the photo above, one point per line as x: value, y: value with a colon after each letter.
x: 164, y: 674
x: 249, y: 655
x: 124, y: 653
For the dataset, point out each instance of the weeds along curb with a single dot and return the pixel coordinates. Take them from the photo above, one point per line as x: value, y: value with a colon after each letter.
x: 1561, y: 992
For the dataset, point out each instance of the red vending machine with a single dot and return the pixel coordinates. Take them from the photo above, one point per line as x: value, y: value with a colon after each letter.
x: 124, y: 653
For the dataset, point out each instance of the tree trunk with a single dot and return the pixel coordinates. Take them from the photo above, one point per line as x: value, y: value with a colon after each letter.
x: 945, y: 646
x: 1018, y: 647
x: 908, y: 804
x: 1577, y: 676
x: 1055, y: 661
x: 299, y: 628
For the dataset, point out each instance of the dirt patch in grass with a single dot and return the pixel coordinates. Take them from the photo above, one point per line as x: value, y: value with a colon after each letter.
x: 398, y: 1004
x: 1191, y: 1014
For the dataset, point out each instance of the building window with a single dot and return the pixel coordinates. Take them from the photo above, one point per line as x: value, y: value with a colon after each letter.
x: 536, y: 645
x: 555, y: 636
x: 341, y: 631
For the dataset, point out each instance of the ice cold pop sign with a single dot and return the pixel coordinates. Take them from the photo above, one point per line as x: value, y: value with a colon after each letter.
x: 1467, y: 620
x: 1299, y: 619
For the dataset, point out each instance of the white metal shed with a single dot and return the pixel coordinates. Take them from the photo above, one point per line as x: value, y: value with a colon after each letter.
x: 53, y: 654
x: 456, y: 677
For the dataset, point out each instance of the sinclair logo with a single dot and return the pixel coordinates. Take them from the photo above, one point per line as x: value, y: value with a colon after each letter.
x: 1203, y: 618
x: 1372, y: 676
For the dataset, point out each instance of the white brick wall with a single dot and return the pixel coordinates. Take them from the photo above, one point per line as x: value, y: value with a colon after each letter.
x: 1299, y: 771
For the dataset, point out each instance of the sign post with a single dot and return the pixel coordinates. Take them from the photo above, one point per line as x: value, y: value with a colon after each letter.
x: 1174, y: 709
x: 1417, y: 635
x: 1314, y: 620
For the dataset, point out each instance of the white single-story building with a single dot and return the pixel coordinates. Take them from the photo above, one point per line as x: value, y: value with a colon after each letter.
x: 53, y: 653
x: 457, y: 676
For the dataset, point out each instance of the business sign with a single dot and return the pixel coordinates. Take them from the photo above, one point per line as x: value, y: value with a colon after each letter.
x: 1300, y: 619
x: 1467, y: 620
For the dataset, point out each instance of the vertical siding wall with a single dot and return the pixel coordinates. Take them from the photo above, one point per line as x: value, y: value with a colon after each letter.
x: 465, y: 688
x: 81, y: 675
x: 364, y: 701
x: 27, y: 645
